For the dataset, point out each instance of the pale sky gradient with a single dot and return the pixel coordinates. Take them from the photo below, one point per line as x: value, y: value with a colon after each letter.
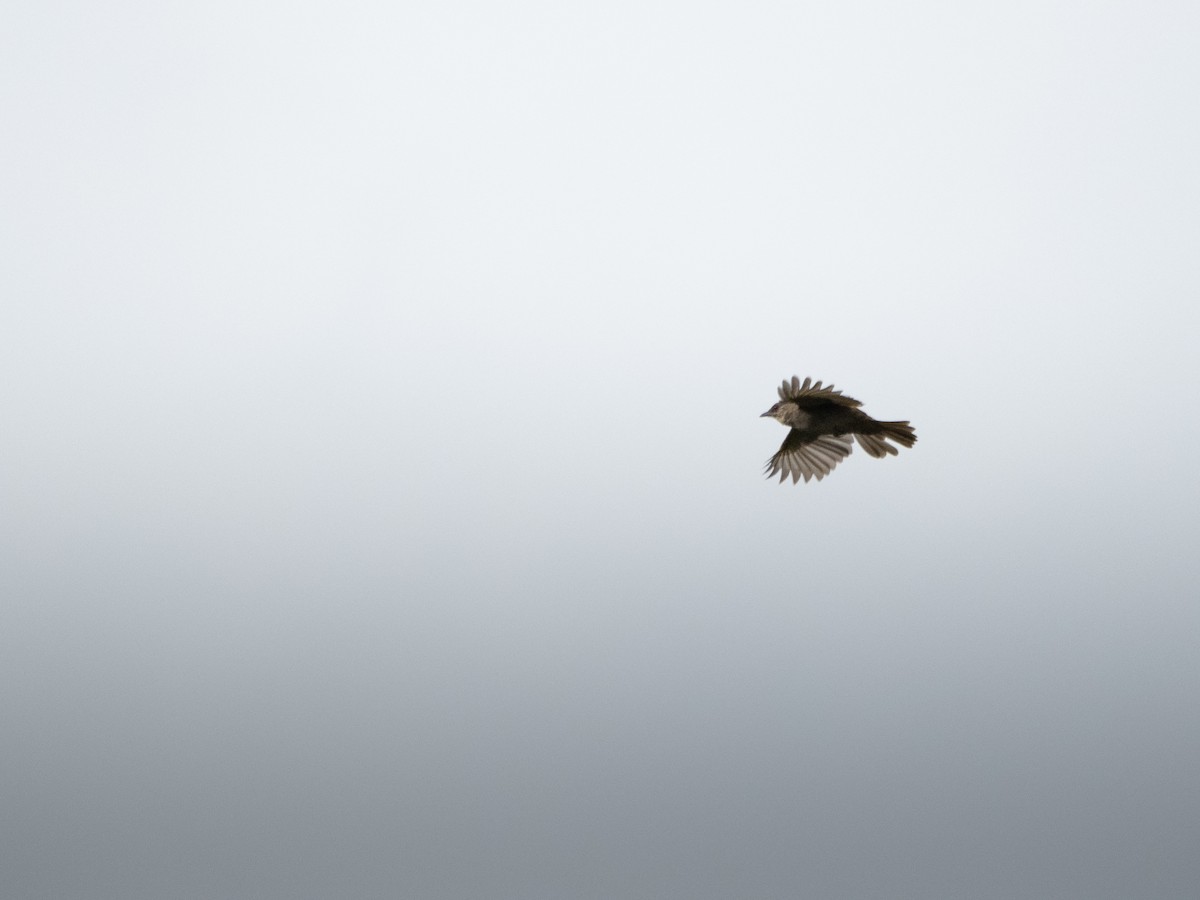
x: 380, y: 461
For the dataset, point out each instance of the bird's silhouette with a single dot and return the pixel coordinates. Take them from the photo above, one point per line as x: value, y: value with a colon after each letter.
x: 823, y: 422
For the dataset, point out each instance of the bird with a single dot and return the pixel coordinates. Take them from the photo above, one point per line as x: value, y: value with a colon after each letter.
x: 823, y: 422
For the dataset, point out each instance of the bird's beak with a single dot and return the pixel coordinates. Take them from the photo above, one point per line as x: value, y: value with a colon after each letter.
x: 765, y: 415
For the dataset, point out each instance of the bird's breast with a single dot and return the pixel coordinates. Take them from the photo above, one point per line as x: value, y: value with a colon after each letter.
x: 797, y: 418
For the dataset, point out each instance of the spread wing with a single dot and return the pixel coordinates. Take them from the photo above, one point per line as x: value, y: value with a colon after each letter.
x: 808, y: 459
x: 794, y: 390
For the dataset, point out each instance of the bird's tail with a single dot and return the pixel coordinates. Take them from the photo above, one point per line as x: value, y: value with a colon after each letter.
x: 876, y: 443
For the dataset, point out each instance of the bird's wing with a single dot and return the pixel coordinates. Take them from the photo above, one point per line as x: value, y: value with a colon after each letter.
x: 808, y: 459
x: 795, y: 390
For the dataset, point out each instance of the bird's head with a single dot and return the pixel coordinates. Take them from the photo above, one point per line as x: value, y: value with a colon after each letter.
x: 776, y: 411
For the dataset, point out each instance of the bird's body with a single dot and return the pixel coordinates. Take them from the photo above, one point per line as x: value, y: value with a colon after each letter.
x: 823, y: 422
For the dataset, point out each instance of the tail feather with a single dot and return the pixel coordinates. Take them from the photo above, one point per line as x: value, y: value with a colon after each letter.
x: 876, y: 444
x: 900, y: 432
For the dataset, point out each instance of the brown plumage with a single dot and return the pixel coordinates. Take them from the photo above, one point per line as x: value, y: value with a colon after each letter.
x: 822, y: 422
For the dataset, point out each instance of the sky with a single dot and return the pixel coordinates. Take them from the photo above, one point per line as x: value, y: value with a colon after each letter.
x: 381, y: 479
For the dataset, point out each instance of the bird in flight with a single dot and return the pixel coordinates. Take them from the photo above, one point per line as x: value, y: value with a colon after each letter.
x: 822, y: 422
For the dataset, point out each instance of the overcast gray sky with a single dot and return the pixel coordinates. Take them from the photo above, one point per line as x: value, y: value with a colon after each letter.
x: 381, y: 470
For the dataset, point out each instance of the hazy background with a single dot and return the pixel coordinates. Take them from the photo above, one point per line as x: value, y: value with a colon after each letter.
x: 381, y: 464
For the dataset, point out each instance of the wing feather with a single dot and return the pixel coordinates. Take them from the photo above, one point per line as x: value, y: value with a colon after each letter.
x: 794, y: 390
x: 808, y: 459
